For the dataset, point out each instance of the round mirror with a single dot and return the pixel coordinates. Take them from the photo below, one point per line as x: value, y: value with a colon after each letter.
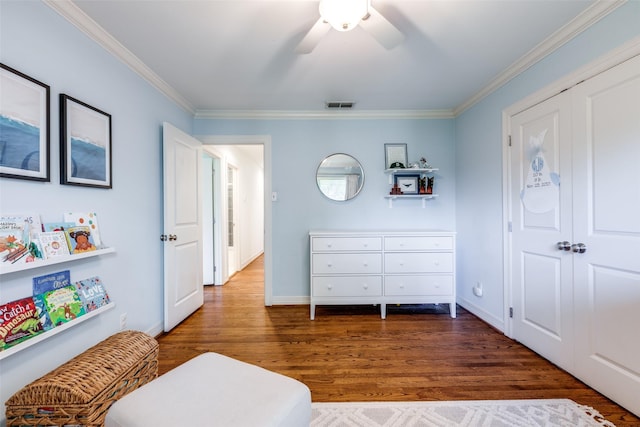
x: 340, y: 177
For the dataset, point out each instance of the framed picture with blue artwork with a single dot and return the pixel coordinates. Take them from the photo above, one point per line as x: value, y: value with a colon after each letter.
x: 24, y: 126
x: 85, y: 144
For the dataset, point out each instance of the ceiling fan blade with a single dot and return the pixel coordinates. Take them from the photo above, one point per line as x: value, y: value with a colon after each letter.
x: 311, y: 40
x: 381, y: 29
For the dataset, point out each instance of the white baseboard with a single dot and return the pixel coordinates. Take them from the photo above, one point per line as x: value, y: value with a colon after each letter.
x: 291, y: 300
x: 155, y: 330
x: 482, y: 314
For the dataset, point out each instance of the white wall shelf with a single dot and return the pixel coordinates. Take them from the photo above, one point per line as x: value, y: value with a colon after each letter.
x: 424, y: 197
x: 12, y: 268
x: 51, y: 332
x: 392, y: 173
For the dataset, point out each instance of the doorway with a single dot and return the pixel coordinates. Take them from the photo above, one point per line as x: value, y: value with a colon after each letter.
x: 242, y: 229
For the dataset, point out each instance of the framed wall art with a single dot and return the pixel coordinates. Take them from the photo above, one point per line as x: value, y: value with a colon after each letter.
x: 409, y: 184
x: 24, y: 126
x: 395, y: 156
x: 85, y: 144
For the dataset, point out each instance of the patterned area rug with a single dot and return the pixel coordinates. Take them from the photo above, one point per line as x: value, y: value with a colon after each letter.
x: 464, y: 413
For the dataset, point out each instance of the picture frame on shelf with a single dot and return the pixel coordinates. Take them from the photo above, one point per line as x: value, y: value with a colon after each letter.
x: 395, y: 156
x: 408, y: 184
x: 24, y: 126
x: 85, y: 144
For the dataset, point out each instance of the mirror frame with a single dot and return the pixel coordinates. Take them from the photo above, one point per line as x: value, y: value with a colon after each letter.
x: 361, y: 180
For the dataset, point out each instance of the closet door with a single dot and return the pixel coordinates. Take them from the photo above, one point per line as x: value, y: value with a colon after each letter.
x: 606, y: 203
x: 541, y: 212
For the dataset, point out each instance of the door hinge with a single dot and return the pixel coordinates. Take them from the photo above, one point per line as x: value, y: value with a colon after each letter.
x: 509, y: 140
x: 510, y: 226
x: 511, y: 312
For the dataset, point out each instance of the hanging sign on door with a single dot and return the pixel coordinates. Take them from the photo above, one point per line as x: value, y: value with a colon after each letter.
x: 541, y: 189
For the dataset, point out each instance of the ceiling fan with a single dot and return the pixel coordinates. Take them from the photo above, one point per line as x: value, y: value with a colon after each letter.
x: 344, y: 15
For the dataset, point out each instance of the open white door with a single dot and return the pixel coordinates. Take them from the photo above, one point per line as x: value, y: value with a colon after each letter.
x: 183, y: 286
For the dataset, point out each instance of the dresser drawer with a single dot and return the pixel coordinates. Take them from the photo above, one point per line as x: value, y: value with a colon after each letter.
x: 418, y: 243
x: 352, y: 286
x: 418, y: 285
x: 342, y: 263
x: 328, y: 244
x: 418, y: 262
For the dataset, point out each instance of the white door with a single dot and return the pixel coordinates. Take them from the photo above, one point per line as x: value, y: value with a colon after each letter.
x: 183, y: 286
x: 606, y: 113
x: 540, y: 195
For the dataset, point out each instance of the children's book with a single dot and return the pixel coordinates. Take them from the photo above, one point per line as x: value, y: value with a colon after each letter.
x: 53, y: 244
x: 57, y: 226
x: 43, y: 314
x: 79, y: 239
x: 92, y: 293
x: 50, y: 282
x: 32, y: 222
x: 63, y: 305
x: 89, y: 219
x: 18, y: 322
x: 14, y: 242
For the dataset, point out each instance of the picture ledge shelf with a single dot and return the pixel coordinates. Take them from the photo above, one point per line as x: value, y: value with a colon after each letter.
x: 54, y: 331
x: 11, y: 268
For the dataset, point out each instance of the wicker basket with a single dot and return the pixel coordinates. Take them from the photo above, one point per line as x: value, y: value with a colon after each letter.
x: 81, y: 391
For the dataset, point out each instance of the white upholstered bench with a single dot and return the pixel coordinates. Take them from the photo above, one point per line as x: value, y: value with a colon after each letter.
x: 214, y: 390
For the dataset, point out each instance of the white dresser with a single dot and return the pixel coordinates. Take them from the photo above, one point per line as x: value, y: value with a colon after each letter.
x: 382, y: 267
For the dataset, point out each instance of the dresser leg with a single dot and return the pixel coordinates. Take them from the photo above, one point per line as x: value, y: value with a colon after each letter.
x: 452, y: 309
x: 313, y: 311
x: 383, y: 310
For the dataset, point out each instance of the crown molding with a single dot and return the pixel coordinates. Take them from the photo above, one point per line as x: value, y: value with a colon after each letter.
x: 84, y: 23
x: 588, y: 17
x: 323, y: 114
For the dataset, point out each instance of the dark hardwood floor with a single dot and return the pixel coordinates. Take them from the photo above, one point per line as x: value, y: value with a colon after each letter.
x: 350, y: 354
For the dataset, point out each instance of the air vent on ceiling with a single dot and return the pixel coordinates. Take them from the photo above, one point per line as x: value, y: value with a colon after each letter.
x: 332, y: 105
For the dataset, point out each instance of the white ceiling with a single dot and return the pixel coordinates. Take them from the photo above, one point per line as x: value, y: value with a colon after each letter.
x: 238, y: 55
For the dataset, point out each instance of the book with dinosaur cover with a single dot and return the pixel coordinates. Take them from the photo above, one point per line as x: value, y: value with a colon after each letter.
x: 19, y: 321
x: 63, y: 304
x: 92, y: 293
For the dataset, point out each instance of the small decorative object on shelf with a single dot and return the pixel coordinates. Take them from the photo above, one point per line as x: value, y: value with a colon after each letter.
x: 430, y: 184
x: 395, y: 190
x: 424, y: 164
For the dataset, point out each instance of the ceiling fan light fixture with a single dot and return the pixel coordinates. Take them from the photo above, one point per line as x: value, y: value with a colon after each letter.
x: 343, y: 15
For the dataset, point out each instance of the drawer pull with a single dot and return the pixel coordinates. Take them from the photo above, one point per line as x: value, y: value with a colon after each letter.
x: 329, y: 264
x: 365, y: 264
x: 365, y: 286
x: 436, y: 263
x: 329, y: 245
x: 329, y: 287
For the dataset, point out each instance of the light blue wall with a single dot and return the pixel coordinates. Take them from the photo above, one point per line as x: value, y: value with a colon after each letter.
x: 479, y: 163
x: 37, y: 41
x: 298, y: 146
x: 40, y: 43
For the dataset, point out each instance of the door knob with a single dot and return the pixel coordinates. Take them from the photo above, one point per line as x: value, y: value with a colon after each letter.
x: 564, y: 246
x: 579, y: 248
x: 172, y: 237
